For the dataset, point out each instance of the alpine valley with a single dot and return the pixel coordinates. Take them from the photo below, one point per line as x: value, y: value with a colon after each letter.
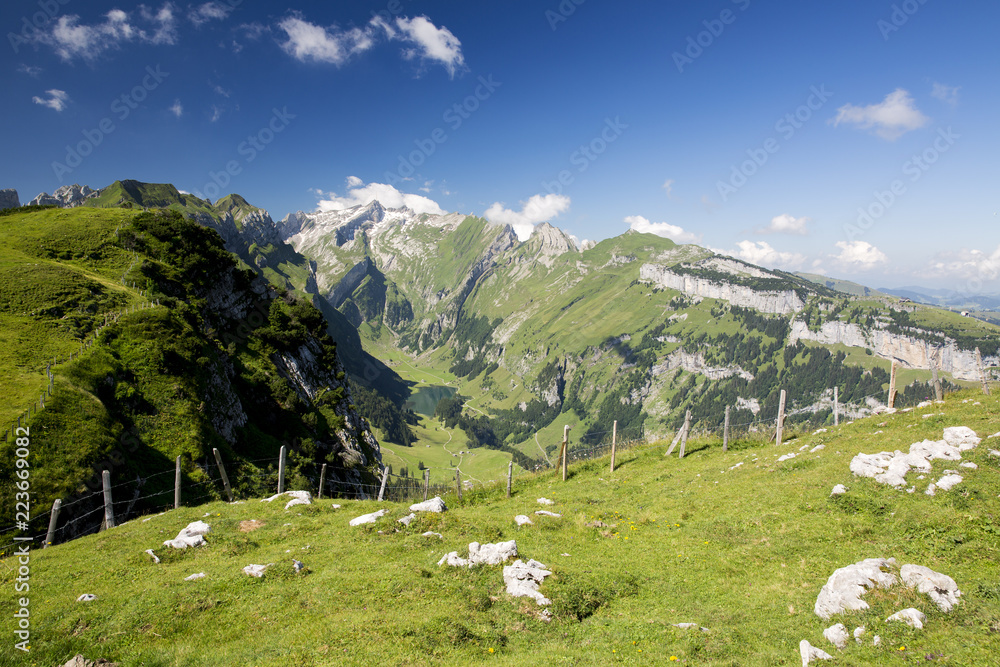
x: 534, y: 335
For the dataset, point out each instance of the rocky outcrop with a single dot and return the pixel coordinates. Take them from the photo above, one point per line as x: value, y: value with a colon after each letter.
x: 9, y: 198
x: 781, y: 303
x: 695, y: 363
x: 911, y: 351
x: 843, y: 591
x: 547, y: 243
x: 68, y: 196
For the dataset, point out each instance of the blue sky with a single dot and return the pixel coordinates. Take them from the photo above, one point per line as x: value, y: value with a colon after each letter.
x: 856, y: 139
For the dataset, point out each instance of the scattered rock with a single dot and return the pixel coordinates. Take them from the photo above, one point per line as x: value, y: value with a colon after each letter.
x: 962, y: 437
x: 407, y: 520
x: 336, y: 507
x: 947, y: 482
x: 250, y: 526
x: 787, y: 457
x: 297, y: 498
x: 195, y: 577
x: 298, y: 566
x: 367, y: 518
x: 839, y: 490
x: 876, y: 640
x: 153, y: 556
x: 837, y: 635
x: 522, y: 520
x: 819, y: 430
x: 817, y: 448
x: 924, y: 404
x: 435, y: 504
x: 968, y: 464
x: 523, y: 580
x: 736, y: 466
x: 995, y: 435
x: 488, y: 554
x: 453, y: 559
x: 256, y: 570
x: 843, y: 590
x: 859, y: 633
x: 912, y: 617
x: 689, y: 626
x: 192, y: 535
x: 941, y: 588
x: 432, y: 534
x: 930, y: 490
x: 86, y: 597
x: 810, y: 653
x: 994, y: 453
x: 545, y: 501
x: 79, y: 661
x: 548, y: 513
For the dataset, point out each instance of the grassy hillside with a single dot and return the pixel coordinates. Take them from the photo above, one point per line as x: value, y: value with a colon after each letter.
x: 742, y: 551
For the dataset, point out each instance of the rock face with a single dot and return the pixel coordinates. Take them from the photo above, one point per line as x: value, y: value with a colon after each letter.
x: 941, y: 588
x: 911, y: 351
x: 694, y: 362
x: 9, y: 198
x: 845, y: 586
x: 68, y: 196
x: 782, y: 303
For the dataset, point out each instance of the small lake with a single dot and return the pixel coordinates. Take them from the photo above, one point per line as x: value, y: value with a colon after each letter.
x: 423, y: 400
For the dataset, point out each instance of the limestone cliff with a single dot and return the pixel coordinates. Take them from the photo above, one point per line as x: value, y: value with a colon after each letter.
x: 779, y: 302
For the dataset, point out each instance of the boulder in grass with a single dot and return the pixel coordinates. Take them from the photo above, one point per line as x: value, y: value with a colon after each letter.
x: 86, y: 597
x: 548, y: 513
x: 407, y: 520
x: 843, y: 590
x: 839, y: 490
x: 195, y: 577
x: 941, y: 588
x: 192, y: 535
x: 491, y: 554
x: 837, y: 635
x: 522, y: 520
x: 367, y: 518
x: 962, y: 437
x: 810, y: 653
x: 545, y: 501
x: 453, y: 559
x: 296, y: 498
x: 912, y: 617
x: 523, y: 580
x: 256, y: 570
x: 948, y: 481
x: 79, y: 661
x: 435, y: 504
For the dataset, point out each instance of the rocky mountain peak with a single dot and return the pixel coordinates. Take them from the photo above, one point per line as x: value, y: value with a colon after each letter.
x: 9, y: 198
x: 67, y: 196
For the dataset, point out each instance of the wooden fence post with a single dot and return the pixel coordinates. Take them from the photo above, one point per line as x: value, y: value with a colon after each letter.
x: 427, y: 482
x: 385, y: 478
x: 836, y: 407
x: 781, y: 418
x: 982, y: 372
x: 53, y: 518
x: 177, y: 483
x: 892, y: 385
x: 725, y: 432
x: 322, y: 480
x: 109, y: 510
x: 687, y: 430
x: 281, y: 470
x: 222, y: 473
x: 614, y: 443
x: 458, y: 482
x: 510, y: 476
x: 565, y: 450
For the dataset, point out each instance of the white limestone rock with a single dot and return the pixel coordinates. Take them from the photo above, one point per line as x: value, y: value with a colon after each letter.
x: 367, y: 518
x: 523, y: 520
x: 524, y: 579
x: 843, y: 590
x: 948, y: 482
x: 810, y: 653
x: 547, y: 513
x: 817, y: 448
x: 155, y: 558
x: 787, y: 457
x: 433, y: 534
x: 297, y: 498
x: 994, y: 453
x: 195, y: 577
x: 837, y: 635
x: 931, y: 489
x: 689, y: 626
x: 435, y: 504
x: 876, y: 640
x: 407, y: 520
x: 453, y: 559
x: 838, y: 490
x: 491, y: 554
x: 86, y: 597
x: 545, y: 501
x: 912, y: 617
x: 192, y: 535
x: 968, y: 464
x: 962, y: 437
x: 941, y: 588
x: 256, y: 570
x: 859, y: 633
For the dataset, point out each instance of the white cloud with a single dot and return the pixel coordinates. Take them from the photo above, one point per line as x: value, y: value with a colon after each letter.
x: 360, y: 194
x: 892, y: 118
x: 539, y: 208
x: 216, y: 114
x: 762, y: 254
x: 307, y: 41
x: 431, y: 43
x: 210, y: 11
x: 971, y: 265
x: 669, y: 187
x: 676, y: 234
x: 57, y: 99
x: 177, y: 108
x: 785, y: 224
x: 859, y: 255
x: 30, y: 70
x: 71, y: 39
x: 945, y: 93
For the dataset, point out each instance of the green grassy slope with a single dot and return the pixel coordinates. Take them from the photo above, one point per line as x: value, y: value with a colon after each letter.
x: 741, y: 551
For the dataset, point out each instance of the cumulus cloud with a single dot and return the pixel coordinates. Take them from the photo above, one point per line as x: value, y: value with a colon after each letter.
x: 426, y: 42
x: 540, y: 208
x: 71, y: 39
x: 762, y: 254
x: 785, y: 224
x: 637, y: 223
x: 947, y: 94
x: 177, y: 108
x: 859, y: 255
x: 358, y: 193
x: 892, y: 118
x: 971, y: 265
x: 56, y: 99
